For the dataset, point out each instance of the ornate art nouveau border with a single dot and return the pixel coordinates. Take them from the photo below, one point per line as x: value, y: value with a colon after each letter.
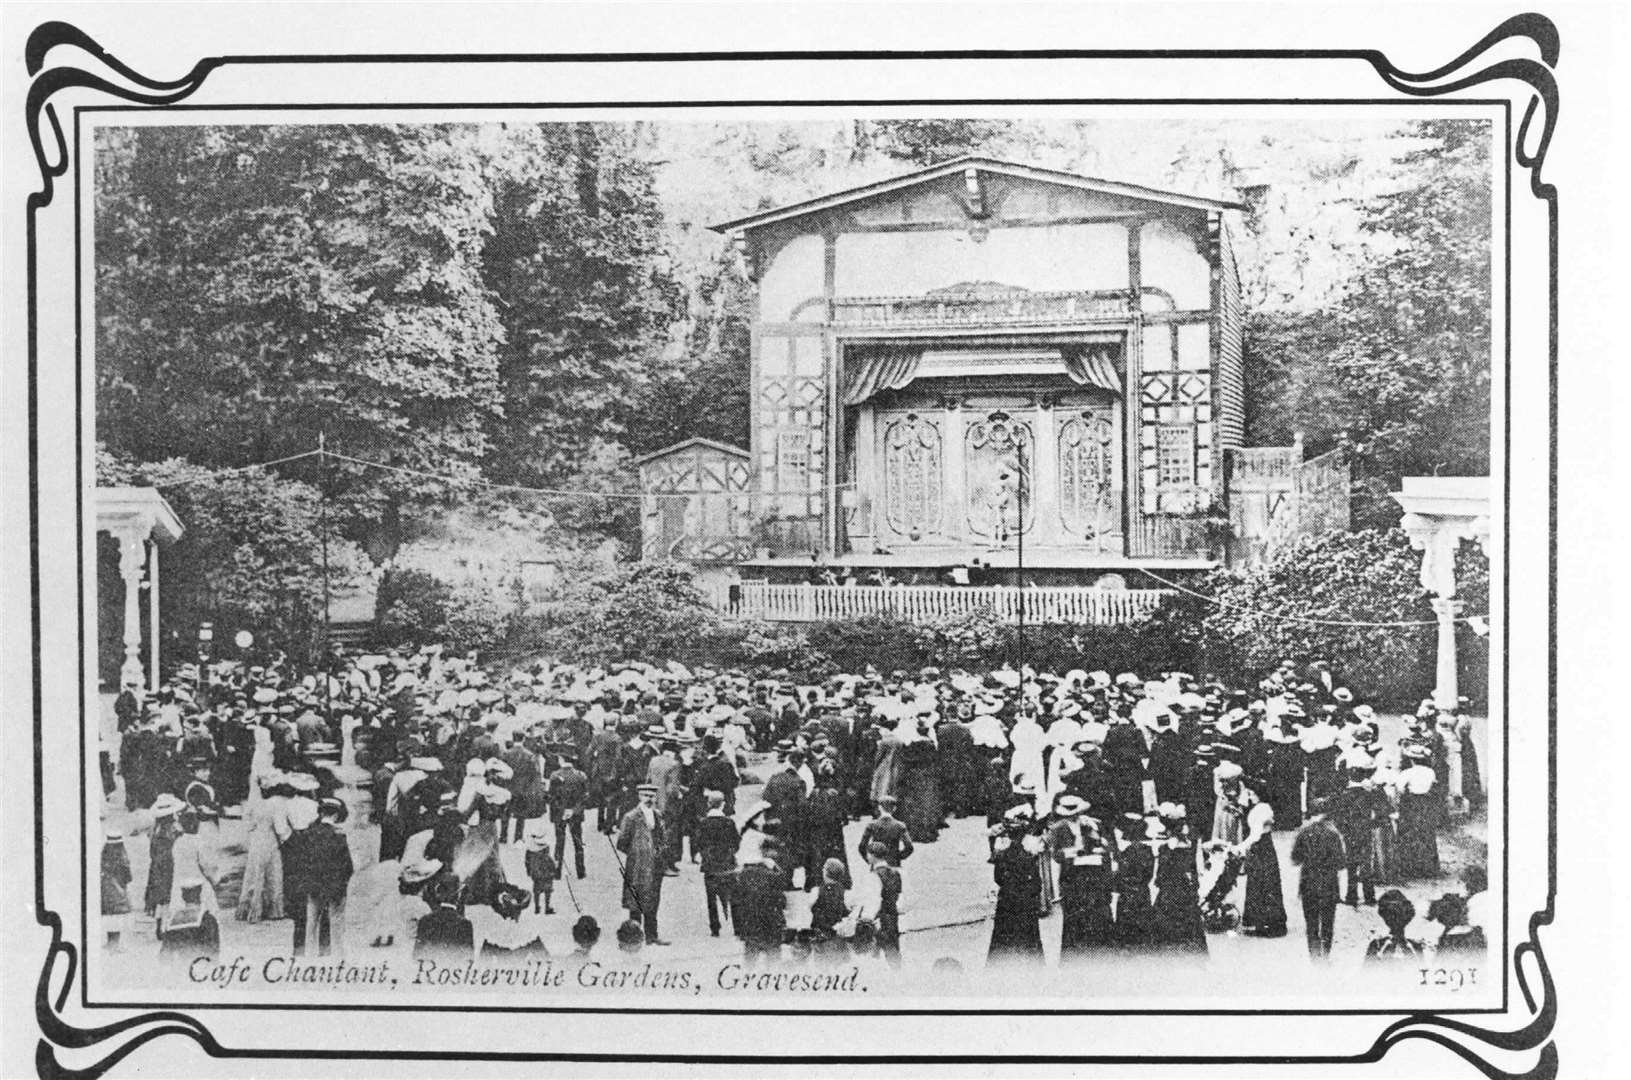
x: 60, y: 57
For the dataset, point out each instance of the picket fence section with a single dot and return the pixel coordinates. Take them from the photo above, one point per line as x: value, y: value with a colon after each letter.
x: 1072, y: 604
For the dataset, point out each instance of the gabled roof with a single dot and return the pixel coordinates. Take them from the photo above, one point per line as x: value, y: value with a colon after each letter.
x: 735, y: 451
x: 982, y: 164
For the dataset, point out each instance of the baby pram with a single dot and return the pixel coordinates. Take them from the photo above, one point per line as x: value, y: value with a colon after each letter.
x: 1223, y: 865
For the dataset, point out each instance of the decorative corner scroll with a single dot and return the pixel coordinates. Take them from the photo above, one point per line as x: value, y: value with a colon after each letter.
x: 113, y: 1042
x: 116, y: 78
x: 1462, y: 72
x: 1531, y: 1045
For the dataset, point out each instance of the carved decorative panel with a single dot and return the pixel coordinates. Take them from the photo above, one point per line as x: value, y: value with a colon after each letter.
x: 998, y: 452
x: 912, y: 457
x: 1086, y: 475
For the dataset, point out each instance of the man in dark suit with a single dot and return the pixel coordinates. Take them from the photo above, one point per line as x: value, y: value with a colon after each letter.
x: 640, y: 839
x: 716, y: 841
x: 888, y: 831
x: 524, y: 782
x: 716, y: 772
x: 602, y: 765
x: 785, y: 792
x: 1318, y: 850
x: 568, y: 797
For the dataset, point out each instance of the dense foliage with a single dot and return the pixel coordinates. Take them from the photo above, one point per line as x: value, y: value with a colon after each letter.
x: 1258, y: 617
x: 250, y: 556
x: 258, y: 286
x: 577, y: 265
x: 1397, y: 367
x: 416, y: 608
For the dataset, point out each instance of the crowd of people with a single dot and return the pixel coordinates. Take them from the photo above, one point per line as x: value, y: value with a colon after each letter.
x: 1146, y: 808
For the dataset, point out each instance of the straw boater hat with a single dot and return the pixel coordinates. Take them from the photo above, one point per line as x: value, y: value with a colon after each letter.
x: 302, y: 782
x: 1070, y: 805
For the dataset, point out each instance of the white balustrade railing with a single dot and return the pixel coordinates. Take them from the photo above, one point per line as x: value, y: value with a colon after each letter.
x: 1069, y: 604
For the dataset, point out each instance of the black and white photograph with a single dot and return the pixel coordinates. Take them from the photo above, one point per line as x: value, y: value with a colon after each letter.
x: 743, y: 553
x: 932, y: 547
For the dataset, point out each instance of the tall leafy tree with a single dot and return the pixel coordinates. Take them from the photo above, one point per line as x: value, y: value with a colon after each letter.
x: 1397, y: 367
x: 258, y: 286
x: 578, y: 267
x: 704, y: 390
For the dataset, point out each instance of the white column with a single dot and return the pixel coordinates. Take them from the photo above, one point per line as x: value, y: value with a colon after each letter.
x: 132, y: 554
x: 869, y: 486
x: 1447, y: 692
x: 153, y: 616
x: 1044, y: 479
x: 1437, y: 539
x: 951, y: 473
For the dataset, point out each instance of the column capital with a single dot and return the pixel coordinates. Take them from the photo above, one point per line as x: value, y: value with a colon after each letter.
x: 132, y: 551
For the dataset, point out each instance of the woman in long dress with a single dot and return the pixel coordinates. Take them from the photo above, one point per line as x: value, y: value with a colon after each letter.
x: 1135, y: 870
x: 1178, y: 923
x: 1472, y: 784
x: 1263, y: 913
x: 262, y: 893
x: 1416, y: 850
x: 1232, y: 799
x: 191, y: 925
x: 886, y: 767
x: 1285, y: 768
x: 921, y: 807
x: 1085, y: 885
x: 486, y: 877
x: 1016, y: 933
x: 161, y: 859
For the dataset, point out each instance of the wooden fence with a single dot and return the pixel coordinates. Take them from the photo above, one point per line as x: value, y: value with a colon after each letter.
x: 1074, y: 604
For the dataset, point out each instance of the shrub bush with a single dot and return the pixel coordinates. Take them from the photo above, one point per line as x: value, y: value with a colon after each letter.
x: 648, y: 611
x: 415, y: 607
x: 886, y: 643
x: 1360, y: 577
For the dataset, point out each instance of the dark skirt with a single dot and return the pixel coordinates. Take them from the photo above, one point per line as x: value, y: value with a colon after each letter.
x: 1084, y: 898
x: 1472, y: 785
x: 1263, y: 913
x: 921, y: 807
x: 160, y: 872
x: 1178, y: 924
x: 1016, y: 933
x: 201, y: 940
x: 1416, y: 849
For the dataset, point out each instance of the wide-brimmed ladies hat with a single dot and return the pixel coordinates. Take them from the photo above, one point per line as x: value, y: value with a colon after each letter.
x: 165, y: 805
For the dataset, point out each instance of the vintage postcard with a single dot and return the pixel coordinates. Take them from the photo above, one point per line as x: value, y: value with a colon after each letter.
x: 736, y: 553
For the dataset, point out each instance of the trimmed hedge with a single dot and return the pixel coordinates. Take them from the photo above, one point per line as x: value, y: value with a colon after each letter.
x: 653, y: 612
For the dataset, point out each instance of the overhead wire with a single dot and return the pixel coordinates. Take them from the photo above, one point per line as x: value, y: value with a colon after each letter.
x: 523, y: 489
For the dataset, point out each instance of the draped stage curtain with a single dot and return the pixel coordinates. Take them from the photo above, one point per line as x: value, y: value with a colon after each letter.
x: 1093, y: 365
x: 880, y: 369
x: 874, y: 370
